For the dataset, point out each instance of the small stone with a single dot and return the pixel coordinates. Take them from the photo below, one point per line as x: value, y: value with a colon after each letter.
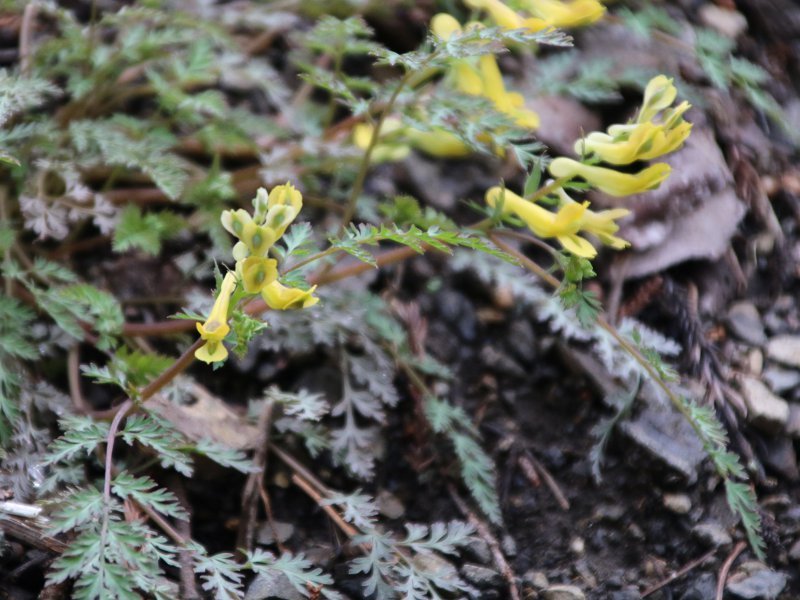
x: 563, y: 592
x: 537, y: 579
x: 760, y: 585
x: 712, y: 533
x: 678, y: 503
x: 793, y: 422
x: 609, y: 512
x: 781, y: 380
x: 389, y: 505
x: 480, y: 576
x: 766, y: 410
x: 268, y: 531
x: 755, y: 362
x: 577, y: 546
x: 729, y: 23
x: 785, y: 349
x: 794, y: 551
x: 479, y: 550
x: 272, y: 585
x: 629, y: 593
x: 509, y: 546
x: 702, y: 588
x: 745, y: 323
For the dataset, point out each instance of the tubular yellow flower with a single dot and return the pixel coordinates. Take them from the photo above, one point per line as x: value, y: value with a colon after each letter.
x: 390, y: 147
x: 563, y: 226
x: 279, y: 297
x: 256, y: 272
x: 644, y: 142
x: 439, y: 143
x: 257, y: 238
x: 214, y: 330
x: 445, y: 25
x: 600, y: 224
x: 565, y: 13
x: 234, y: 221
x: 610, y: 181
x: 509, y: 103
x: 211, y: 351
x: 658, y: 95
x: 506, y: 17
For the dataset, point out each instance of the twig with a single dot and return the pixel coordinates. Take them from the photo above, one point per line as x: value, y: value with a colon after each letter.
x: 188, y: 583
x: 679, y: 573
x: 74, y: 377
x: 253, y: 485
x: 726, y: 567
x: 497, y: 552
x: 25, y: 38
x: 300, y: 482
x: 527, y: 462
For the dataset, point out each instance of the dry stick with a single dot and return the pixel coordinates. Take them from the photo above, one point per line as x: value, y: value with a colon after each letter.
x: 25, y: 38
x: 252, y: 487
x: 548, y: 479
x: 679, y: 573
x: 74, y: 377
x: 188, y: 583
x: 726, y: 567
x: 300, y: 482
x: 497, y: 553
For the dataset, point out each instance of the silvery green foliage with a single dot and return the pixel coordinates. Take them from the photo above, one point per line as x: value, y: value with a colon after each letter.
x: 411, y: 567
x: 302, y: 575
x: 367, y: 371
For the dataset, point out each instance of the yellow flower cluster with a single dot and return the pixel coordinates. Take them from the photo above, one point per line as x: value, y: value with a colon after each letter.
x: 657, y: 130
x: 483, y: 78
x: 565, y: 224
x: 258, y: 274
x: 541, y: 14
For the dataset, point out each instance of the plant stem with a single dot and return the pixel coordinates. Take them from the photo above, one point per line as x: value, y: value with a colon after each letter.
x: 358, y: 185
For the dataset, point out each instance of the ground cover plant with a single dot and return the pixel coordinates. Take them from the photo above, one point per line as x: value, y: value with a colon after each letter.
x: 211, y: 313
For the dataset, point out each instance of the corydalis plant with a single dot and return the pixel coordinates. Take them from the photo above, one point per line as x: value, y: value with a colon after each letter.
x: 255, y: 272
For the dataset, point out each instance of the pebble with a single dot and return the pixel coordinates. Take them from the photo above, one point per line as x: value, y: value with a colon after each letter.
x: 759, y: 585
x: 479, y: 550
x: 577, y: 546
x: 745, y: 323
x: 389, y: 505
x: 482, y: 577
x: 626, y: 594
x: 712, y: 533
x: 509, y: 546
x: 563, y: 592
x: 702, y: 588
x: 794, y: 551
x: 282, y: 530
x: 766, y: 410
x: 793, y: 422
x: 781, y: 380
x: 785, y: 349
x: 537, y: 579
x: 755, y: 362
x: 272, y: 586
x: 680, y: 504
x: 729, y: 23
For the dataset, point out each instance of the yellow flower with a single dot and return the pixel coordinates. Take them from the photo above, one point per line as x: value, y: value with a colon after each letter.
x: 216, y: 326
x: 509, y: 103
x: 505, y: 17
x: 565, y: 13
x: 280, y: 297
x: 563, y: 225
x: 438, y: 142
x: 610, y: 181
x: 283, y: 205
x: 211, y: 351
x: 485, y: 78
x: 256, y: 272
x: 644, y: 141
x: 658, y: 95
x: 234, y: 221
x: 601, y: 224
x: 390, y: 147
